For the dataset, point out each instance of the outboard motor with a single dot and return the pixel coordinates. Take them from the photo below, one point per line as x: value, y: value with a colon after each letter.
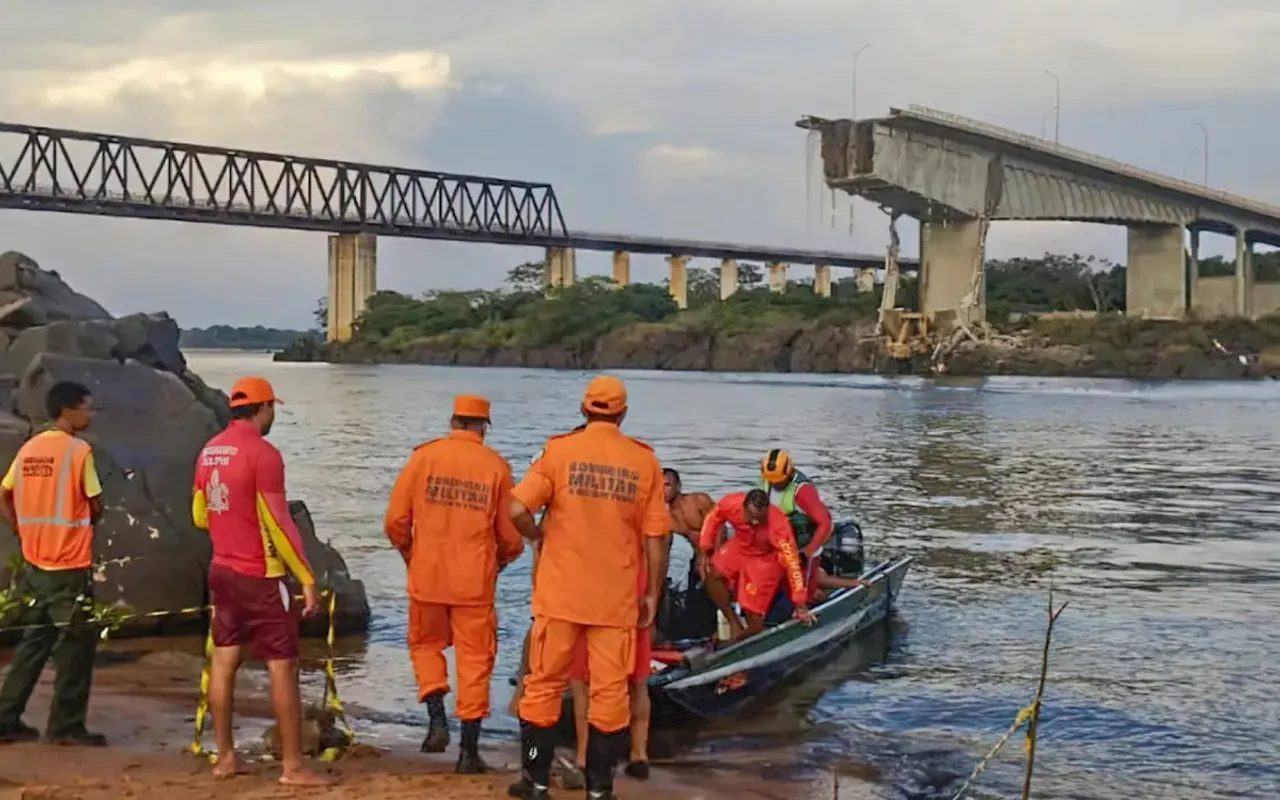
x: 843, y: 556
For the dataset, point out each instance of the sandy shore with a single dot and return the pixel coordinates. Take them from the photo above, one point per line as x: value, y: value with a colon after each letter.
x: 145, y: 706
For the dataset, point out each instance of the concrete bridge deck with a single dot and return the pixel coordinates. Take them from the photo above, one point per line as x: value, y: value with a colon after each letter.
x: 956, y: 175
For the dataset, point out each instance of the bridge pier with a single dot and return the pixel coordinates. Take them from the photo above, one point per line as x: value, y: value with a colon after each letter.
x: 728, y: 278
x: 678, y: 286
x: 1244, y: 274
x: 353, y: 278
x: 777, y: 276
x: 948, y: 255
x: 621, y: 268
x: 561, y: 268
x: 822, y: 280
x: 865, y: 280
x: 1156, y: 274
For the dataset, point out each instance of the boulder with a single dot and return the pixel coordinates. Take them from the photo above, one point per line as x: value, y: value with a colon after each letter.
x: 153, y: 416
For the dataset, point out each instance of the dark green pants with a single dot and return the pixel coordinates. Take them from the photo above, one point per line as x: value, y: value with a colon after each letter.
x: 63, y: 599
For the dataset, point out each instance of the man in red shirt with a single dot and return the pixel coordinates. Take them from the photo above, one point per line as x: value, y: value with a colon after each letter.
x: 239, y: 497
x: 760, y: 552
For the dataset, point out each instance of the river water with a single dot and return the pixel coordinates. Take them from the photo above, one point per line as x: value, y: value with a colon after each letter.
x: 1154, y: 509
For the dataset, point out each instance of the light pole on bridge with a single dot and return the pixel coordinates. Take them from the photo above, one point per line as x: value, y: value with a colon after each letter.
x: 1057, y: 103
x: 854, y: 78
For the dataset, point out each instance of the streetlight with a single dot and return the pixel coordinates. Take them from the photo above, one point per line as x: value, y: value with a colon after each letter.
x: 857, y: 53
x: 1057, y: 102
x: 1204, y: 131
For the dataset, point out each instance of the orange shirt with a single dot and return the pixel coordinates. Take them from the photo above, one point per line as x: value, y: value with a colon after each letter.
x: 239, y: 498
x: 773, y: 539
x: 450, y: 511
x: 52, y: 479
x: 603, y: 493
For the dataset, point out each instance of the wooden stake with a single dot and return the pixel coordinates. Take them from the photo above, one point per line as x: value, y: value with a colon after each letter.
x: 1034, y: 723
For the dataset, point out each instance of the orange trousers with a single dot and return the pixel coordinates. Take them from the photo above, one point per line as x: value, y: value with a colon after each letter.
x: 610, y: 660
x: 472, y: 631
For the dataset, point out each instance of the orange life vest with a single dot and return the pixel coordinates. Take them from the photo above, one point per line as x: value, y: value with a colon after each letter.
x: 48, y: 494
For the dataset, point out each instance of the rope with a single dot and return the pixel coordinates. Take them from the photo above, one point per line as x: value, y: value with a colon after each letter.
x: 1018, y: 721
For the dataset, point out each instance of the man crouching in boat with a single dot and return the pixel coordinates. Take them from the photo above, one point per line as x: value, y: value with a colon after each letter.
x: 759, y: 554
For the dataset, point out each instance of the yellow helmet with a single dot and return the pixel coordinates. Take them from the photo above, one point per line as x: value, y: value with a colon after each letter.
x: 776, y: 466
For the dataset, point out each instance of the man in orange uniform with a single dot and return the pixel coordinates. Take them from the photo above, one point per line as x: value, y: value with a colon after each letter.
x: 449, y: 516
x: 605, y: 513
x: 759, y: 554
x: 239, y: 497
x: 51, y: 497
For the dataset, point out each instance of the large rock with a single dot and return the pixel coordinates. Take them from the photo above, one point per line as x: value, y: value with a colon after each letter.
x: 153, y: 416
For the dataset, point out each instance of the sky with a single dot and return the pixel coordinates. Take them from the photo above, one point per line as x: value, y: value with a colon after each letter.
x: 662, y: 117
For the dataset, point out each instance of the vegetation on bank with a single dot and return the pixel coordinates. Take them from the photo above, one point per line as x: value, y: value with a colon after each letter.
x: 522, y: 316
x: 228, y: 337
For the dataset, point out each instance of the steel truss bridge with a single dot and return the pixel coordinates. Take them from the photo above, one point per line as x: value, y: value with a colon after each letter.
x: 49, y: 169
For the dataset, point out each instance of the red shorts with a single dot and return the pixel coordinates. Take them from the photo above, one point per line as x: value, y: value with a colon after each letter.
x: 754, y: 578
x: 640, y: 671
x: 258, y: 612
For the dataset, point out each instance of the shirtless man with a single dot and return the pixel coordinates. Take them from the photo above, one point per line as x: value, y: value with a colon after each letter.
x: 688, y: 511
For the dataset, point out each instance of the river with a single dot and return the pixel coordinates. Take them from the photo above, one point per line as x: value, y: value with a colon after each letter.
x: 1152, y: 508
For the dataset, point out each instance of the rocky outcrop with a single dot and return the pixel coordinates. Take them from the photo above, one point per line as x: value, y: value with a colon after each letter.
x: 153, y: 416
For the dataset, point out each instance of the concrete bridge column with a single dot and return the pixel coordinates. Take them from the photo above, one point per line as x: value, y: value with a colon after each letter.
x: 948, y: 254
x: 678, y: 286
x: 561, y: 267
x: 621, y: 268
x: 1193, y: 271
x: 865, y: 280
x: 353, y: 278
x: 1244, y: 273
x: 728, y: 278
x: 822, y: 280
x: 1156, y: 275
x: 777, y: 276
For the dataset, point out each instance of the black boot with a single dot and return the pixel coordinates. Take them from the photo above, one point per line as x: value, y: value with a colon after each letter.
x: 437, y: 739
x: 469, y: 761
x: 603, y: 753
x: 537, y: 750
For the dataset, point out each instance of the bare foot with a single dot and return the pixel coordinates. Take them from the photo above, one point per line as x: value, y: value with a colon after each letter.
x: 305, y: 777
x: 228, y: 768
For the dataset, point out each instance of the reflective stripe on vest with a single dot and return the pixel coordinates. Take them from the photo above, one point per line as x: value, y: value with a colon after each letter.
x: 801, y: 523
x: 63, y: 486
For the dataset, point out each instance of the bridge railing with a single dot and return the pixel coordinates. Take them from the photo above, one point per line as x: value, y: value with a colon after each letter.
x: 1101, y: 162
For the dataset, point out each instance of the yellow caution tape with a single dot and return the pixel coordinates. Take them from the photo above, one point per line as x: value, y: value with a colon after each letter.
x: 330, y: 698
x: 1018, y: 721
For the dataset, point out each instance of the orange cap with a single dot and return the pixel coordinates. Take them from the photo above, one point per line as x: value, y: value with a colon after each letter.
x: 470, y: 405
x: 248, y: 391
x: 605, y: 395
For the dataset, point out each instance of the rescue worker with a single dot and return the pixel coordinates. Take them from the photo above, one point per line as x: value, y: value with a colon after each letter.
x: 449, y: 517
x: 51, y: 497
x: 605, y: 513
x: 797, y: 497
x: 239, y: 498
x: 759, y: 554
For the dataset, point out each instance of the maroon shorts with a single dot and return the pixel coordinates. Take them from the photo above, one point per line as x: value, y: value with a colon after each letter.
x: 258, y: 612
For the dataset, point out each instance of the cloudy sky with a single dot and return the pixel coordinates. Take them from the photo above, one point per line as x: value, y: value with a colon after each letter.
x: 662, y: 117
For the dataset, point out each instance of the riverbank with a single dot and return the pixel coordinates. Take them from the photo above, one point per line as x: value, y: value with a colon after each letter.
x: 144, y: 700
x: 1110, y: 346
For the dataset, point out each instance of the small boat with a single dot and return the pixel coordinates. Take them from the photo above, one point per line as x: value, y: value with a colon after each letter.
x: 693, y: 680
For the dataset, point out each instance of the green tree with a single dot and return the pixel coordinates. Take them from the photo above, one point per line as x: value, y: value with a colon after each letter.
x: 321, y: 316
x: 527, y: 277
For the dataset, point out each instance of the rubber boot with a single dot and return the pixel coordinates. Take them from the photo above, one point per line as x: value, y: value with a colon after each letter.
x: 604, y: 750
x: 469, y: 760
x: 437, y: 738
x: 537, y: 748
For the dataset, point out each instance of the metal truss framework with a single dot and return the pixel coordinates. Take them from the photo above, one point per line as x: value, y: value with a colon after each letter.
x: 90, y: 173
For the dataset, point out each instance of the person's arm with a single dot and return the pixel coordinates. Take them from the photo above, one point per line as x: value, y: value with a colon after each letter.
x: 510, y: 542
x: 397, y: 524
x: 530, y: 496
x: 711, y: 528
x: 7, y: 509
x: 810, y: 504
x: 784, y: 542
x: 92, y: 488
x: 273, y: 512
x: 655, y: 527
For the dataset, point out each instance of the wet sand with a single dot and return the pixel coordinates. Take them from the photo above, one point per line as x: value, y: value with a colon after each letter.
x: 144, y: 704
